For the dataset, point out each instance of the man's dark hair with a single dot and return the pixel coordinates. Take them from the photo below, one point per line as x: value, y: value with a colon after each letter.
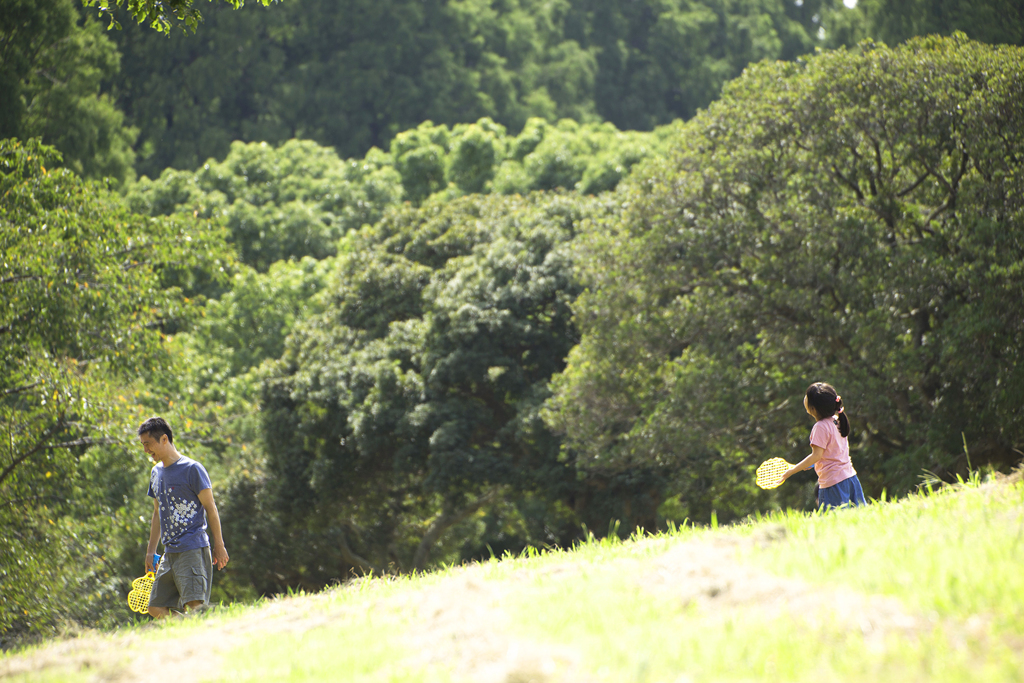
x: 156, y: 427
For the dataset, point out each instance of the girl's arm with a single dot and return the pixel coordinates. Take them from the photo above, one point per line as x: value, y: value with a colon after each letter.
x: 816, y: 454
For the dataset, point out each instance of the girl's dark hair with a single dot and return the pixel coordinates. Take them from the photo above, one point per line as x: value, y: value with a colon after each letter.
x: 826, y: 402
x: 156, y: 427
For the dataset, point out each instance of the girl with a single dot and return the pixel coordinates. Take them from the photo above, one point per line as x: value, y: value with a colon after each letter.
x: 830, y: 453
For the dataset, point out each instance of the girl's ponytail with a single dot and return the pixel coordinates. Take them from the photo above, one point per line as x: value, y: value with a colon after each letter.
x: 828, y: 403
x: 844, y: 422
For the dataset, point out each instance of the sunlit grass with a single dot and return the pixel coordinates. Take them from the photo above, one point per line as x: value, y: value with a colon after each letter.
x: 361, y: 648
x: 55, y: 675
x: 347, y: 633
x: 627, y: 634
x: 955, y: 552
x: 951, y: 558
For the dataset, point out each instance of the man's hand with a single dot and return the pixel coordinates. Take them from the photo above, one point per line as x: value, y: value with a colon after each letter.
x: 220, y: 556
x: 220, y: 553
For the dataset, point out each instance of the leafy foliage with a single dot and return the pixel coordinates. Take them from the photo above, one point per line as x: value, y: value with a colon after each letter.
x: 282, y: 203
x: 402, y: 423
x: 84, y: 295
x: 481, y: 157
x: 51, y: 67
x: 298, y: 199
x: 354, y: 74
x: 162, y: 15
x: 831, y: 220
x: 893, y: 21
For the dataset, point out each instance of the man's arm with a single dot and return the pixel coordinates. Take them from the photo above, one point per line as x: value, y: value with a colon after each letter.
x: 154, y: 536
x: 220, y: 553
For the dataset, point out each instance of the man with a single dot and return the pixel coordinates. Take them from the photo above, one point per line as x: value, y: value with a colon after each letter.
x: 183, y: 505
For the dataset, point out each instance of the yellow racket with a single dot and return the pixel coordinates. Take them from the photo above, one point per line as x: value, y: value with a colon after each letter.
x: 138, y: 598
x: 769, y: 474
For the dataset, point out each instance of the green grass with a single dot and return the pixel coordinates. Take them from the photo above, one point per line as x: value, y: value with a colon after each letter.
x: 955, y: 552
x: 340, y: 630
x: 356, y: 643
x: 362, y: 647
x: 950, y: 559
x: 627, y: 635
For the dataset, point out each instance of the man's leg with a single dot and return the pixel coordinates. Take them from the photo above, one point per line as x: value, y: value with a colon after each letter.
x: 165, y: 591
x: 205, y: 566
x: 193, y: 571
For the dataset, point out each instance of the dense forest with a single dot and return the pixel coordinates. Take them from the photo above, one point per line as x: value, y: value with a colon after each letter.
x: 428, y: 282
x: 353, y: 74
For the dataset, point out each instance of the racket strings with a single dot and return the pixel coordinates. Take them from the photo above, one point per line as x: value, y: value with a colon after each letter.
x: 769, y: 474
x: 138, y: 598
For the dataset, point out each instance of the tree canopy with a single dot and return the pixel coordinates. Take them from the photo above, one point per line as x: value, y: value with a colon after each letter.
x: 52, y: 66
x: 87, y: 287
x: 997, y: 22
x: 855, y: 218
x: 299, y: 199
x: 402, y: 422
x: 353, y: 74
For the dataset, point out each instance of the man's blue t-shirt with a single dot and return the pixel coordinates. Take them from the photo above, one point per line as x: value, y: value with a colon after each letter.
x: 182, y: 516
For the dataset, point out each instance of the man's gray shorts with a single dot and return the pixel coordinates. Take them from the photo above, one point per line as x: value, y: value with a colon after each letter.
x: 182, y: 578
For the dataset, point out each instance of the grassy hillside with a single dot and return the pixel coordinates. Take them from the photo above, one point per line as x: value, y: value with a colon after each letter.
x: 924, y: 588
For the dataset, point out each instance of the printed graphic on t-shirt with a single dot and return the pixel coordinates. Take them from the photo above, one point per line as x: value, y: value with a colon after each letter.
x: 182, y: 512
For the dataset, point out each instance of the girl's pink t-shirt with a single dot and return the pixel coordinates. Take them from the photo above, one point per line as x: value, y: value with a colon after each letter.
x: 835, y: 465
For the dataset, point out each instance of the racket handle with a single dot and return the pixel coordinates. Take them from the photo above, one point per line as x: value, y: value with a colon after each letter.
x: 156, y: 561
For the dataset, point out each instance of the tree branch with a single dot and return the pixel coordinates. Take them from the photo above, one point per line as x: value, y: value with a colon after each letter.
x: 350, y: 557
x: 849, y: 183
x: 18, y: 390
x: 913, y: 186
x: 85, y: 441
x: 18, y: 278
x: 40, y: 445
x: 443, y: 522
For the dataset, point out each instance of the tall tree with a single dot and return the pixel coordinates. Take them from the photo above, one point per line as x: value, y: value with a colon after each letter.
x: 52, y: 65
x: 659, y: 60
x: 84, y: 291
x: 402, y: 423
x: 992, y: 21
x: 354, y: 74
x: 856, y: 218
